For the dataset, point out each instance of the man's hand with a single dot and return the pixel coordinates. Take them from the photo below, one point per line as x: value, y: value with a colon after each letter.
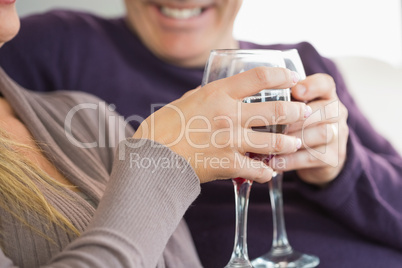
x: 324, y: 133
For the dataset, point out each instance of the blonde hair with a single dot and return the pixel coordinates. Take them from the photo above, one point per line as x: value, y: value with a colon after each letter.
x: 20, y: 183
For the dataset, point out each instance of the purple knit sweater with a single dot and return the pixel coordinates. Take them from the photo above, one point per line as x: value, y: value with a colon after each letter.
x: 355, y: 222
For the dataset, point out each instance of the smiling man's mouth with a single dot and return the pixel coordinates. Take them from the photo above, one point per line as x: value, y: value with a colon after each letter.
x: 182, y: 13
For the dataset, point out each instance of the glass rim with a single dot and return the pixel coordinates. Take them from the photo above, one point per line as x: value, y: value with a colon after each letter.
x: 243, y: 50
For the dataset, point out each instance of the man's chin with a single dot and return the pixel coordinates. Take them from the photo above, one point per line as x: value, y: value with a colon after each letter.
x: 187, y: 59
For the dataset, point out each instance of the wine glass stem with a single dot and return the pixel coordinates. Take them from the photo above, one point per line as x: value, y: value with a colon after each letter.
x: 280, y: 243
x: 242, y: 193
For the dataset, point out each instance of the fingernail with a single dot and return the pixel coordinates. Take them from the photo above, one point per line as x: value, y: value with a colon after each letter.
x: 307, y: 111
x: 298, y: 143
x: 295, y: 77
x: 267, y: 173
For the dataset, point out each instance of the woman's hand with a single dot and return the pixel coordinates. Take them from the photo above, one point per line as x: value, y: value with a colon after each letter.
x: 211, y: 127
x: 324, y: 133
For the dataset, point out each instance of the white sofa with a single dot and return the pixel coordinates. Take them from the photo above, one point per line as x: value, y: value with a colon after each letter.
x: 377, y: 89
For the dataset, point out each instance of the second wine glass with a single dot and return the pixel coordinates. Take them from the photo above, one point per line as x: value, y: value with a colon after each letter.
x: 282, y: 255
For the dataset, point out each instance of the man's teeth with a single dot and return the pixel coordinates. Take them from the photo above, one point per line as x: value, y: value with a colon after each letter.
x: 181, y: 14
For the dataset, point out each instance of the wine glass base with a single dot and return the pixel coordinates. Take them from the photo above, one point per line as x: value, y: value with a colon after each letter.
x: 239, y: 263
x: 291, y: 260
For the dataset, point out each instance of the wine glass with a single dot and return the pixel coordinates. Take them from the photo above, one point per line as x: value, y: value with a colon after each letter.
x: 225, y: 63
x: 282, y: 255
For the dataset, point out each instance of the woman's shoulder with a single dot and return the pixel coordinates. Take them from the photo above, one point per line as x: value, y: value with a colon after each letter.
x: 85, y: 110
x: 71, y: 96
